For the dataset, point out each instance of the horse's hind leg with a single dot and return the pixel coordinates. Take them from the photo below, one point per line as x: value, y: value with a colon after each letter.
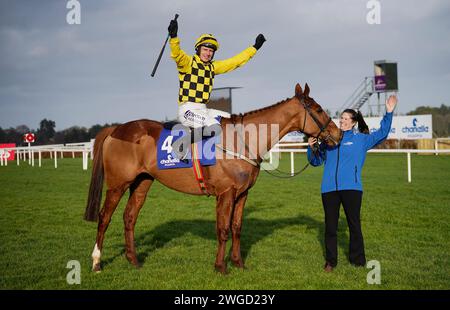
x: 236, y: 225
x: 112, y: 200
x: 138, y: 193
x: 225, y: 203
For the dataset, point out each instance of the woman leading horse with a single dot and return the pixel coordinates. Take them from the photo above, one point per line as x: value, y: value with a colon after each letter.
x: 125, y: 157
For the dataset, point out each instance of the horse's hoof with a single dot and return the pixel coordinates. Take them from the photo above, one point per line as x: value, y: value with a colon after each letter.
x: 97, y: 268
x: 133, y: 261
x: 222, y: 269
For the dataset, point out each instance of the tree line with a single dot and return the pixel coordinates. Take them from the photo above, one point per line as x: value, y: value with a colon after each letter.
x: 46, y: 133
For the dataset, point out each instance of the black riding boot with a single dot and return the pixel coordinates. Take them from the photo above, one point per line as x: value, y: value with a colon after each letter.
x: 197, y: 134
x: 181, y: 146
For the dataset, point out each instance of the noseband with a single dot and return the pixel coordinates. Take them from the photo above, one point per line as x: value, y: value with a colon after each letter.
x: 316, y: 120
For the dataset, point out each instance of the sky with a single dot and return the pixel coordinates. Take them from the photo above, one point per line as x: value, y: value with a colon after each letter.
x: 98, y: 71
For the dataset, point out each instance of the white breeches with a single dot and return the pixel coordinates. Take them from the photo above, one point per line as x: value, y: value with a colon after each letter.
x: 194, y: 115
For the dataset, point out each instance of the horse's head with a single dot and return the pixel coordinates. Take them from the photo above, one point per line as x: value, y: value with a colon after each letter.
x: 315, y: 121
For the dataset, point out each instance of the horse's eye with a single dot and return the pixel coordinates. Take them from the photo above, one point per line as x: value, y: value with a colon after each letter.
x: 319, y: 110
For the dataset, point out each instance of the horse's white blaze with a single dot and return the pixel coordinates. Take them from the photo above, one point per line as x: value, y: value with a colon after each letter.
x: 96, y: 255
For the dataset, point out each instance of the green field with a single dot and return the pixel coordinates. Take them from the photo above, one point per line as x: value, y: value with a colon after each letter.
x: 406, y: 228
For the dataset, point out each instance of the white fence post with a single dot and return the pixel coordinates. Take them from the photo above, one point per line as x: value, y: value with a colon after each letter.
x: 92, y: 148
x: 29, y: 153
x: 292, y: 164
x: 56, y: 159
x: 85, y: 160
x: 409, y: 166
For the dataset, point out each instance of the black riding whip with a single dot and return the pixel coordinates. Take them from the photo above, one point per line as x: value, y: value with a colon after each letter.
x: 162, y: 51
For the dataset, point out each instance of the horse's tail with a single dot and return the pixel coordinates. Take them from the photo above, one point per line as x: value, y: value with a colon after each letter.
x: 96, y: 186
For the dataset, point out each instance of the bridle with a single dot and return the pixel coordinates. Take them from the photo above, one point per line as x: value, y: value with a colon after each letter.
x: 322, y: 128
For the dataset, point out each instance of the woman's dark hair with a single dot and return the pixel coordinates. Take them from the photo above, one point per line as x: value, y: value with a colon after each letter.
x: 357, y: 117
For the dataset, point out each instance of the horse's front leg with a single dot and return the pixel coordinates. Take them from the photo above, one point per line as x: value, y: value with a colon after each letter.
x: 224, y: 208
x: 236, y: 226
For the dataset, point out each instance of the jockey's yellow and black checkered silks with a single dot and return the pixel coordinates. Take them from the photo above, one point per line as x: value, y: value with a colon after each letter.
x: 196, y: 77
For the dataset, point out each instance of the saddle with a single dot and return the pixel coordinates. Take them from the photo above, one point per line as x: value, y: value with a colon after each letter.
x: 170, y: 124
x: 197, y: 134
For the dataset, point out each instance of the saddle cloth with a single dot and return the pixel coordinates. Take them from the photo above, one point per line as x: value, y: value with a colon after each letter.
x: 167, y: 159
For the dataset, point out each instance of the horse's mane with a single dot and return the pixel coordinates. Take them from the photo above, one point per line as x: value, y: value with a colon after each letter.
x: 234, y: 116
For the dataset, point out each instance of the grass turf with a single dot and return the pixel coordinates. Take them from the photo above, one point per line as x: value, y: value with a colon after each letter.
x: 405, y: 226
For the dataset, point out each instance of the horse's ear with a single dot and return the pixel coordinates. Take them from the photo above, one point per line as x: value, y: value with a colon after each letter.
x: 306, y: 93
x: 298, y: 91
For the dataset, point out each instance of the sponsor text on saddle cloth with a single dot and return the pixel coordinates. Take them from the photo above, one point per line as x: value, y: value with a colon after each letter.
x: 168, y: 160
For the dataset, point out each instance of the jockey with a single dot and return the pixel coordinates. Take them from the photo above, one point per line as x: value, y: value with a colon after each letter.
x: 196, y: 75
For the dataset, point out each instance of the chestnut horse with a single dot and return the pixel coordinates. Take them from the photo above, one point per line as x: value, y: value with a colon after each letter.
x: 125, y: 157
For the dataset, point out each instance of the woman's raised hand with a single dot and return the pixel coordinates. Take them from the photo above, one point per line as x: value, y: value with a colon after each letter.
x: 391, y: 103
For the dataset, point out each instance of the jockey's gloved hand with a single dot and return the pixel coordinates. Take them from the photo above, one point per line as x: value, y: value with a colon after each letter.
x: 259, y: 41
x: 173, y: 28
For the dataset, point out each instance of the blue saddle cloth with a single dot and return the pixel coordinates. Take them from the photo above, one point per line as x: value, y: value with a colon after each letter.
x: 168, y: 160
